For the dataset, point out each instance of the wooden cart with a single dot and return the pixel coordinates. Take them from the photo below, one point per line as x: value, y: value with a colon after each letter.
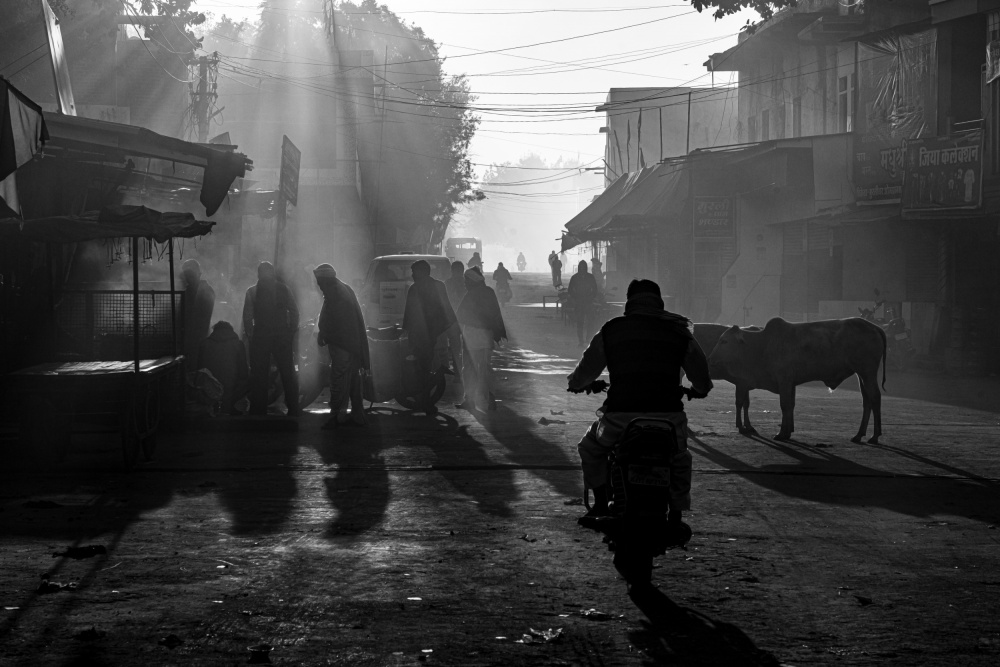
x: 124, y: 397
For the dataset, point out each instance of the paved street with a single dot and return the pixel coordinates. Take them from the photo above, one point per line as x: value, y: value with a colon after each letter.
x: 446, y: 540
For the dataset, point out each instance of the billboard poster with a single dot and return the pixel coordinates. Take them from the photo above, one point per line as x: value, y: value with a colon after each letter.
x: 713, y: 218
x: 943, y: 173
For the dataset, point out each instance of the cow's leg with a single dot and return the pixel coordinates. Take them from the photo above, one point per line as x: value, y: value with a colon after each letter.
x: 743, y: 411
x: 870, y: 383
x: 786, y: 395
x: 866, y: 410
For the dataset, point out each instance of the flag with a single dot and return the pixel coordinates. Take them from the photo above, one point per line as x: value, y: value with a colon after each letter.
x: 22, y: 129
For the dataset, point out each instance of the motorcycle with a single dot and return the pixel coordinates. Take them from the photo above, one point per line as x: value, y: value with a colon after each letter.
x: 637, y: 528
x: 504, y: 293
x: 899, y: 346
x: 521, y: 264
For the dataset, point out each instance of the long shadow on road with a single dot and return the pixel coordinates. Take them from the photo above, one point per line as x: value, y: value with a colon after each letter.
x: 260, y: 498
x: 674, y: 635
x: 820, y: 476
x: 547, y: 460
x: 430, y: 447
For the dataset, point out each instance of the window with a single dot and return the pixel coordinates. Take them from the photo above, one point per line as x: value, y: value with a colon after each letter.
x: 765, y: 125
x: 752, y: 128
x: 847, y: 93
x: 779, y: 130
x: 797, y: 117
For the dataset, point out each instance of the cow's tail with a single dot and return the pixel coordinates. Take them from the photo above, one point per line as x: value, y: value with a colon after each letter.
x: 885, y: 351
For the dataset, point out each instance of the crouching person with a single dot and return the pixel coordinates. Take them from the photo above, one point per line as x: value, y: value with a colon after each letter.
x: 224, y: 355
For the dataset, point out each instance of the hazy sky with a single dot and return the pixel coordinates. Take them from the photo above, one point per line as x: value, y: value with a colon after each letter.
x: 541, y: 98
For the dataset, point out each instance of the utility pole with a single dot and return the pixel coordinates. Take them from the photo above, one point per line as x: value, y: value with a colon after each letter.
x: 204, y: 99
x: 381, y: 135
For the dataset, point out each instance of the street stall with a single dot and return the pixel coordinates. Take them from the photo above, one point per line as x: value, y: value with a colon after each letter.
x: 92, y: 381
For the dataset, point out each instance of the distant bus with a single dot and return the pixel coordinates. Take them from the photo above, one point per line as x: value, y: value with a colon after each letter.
x: 461, y: 250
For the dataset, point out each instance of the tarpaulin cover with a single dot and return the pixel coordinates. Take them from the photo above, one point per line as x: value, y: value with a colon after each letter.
x: 635, y: 199
x: 109, y: 222
x: 22, y: 129
x: 899, y: 85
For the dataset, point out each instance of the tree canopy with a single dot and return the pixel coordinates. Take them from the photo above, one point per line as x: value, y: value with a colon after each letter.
x: 422, y: 140
x: 765, y: 8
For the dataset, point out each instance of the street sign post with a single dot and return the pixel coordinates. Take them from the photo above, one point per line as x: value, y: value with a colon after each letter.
x: 289, y: 178
x: 288, y: 188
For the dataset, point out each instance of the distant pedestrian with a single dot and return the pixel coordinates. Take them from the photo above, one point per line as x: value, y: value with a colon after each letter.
x: 455, y: 286
x: 597, y: 268
x: 342, y: 329
x: 225, y: 357
x: 427, y: 315
x: 271, y: 320
x: 582, y: 294
x: 556, y: 265
x: 482, y: 328
x: 199, y: 303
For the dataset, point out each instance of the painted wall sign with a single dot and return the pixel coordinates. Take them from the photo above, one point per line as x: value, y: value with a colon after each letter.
x: 713, y: 218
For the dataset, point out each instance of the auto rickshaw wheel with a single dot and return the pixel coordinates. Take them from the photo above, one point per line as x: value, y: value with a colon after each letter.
x: 437, y: 391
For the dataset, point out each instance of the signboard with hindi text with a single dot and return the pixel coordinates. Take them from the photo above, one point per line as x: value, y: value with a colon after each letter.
x: 713, y: 218
x: 878, y: 169
x: 943, y: 173
x: 288, y: 179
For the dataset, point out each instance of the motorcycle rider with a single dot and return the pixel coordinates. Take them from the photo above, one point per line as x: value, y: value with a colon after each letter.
x: 502, y: 278
x: 645, y: 351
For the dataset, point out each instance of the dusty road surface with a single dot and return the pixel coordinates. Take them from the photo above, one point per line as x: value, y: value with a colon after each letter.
x: 446, y: 540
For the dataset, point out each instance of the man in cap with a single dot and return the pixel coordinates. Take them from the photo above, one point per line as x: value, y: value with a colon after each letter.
x: 199, y: 302
x: 271, y: 320
x: 342, y: 329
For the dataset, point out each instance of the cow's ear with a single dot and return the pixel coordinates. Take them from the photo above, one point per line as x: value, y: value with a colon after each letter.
x: 737, y: 332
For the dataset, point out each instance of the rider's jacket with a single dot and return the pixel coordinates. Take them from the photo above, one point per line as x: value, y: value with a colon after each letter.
x: 644, y: 354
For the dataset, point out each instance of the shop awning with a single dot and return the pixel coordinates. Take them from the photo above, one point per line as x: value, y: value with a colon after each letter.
x: 109, y: 222
x: 639, y: 200
x: 98, y: 141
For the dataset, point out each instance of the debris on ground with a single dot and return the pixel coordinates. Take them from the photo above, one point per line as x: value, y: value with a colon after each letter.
x: 863, y: 601
x: 79, y: 553
x: 545, y: 421
x: 595, y: 615
x: 91, y: 635
x: 557, y: 412
x: 540, y: 636
x: 528, y: 539
x: 47, y: 587
x: 171, y: 641
x: 573, y: 501
x: 40, y: 505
